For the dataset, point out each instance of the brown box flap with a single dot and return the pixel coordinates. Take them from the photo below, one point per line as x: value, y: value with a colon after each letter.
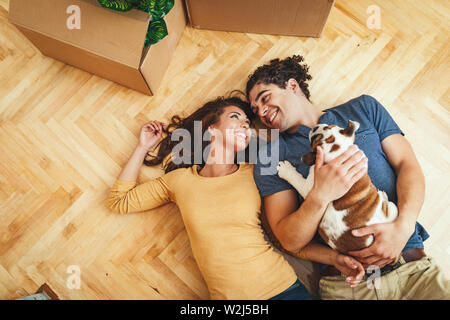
x: 118, y: 36
x: 156, y: 59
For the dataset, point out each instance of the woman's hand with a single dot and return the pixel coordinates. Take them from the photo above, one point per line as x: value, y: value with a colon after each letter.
x: 150, y: 134
x: 351, y: 268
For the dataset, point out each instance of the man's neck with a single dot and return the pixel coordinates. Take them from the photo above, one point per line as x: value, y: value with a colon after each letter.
x: 307, y: 115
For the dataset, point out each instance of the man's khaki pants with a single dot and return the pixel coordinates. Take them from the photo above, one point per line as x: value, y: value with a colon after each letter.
x: 421, y: 279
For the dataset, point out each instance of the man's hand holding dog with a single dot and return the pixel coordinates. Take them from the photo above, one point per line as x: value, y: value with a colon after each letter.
x: 390, y: 239
x: 340, y: 173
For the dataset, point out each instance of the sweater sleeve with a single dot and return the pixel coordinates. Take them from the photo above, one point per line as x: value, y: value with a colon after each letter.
x: 128, y: 197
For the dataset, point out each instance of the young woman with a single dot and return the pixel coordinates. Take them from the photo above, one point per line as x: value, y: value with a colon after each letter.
x: 218, y: 200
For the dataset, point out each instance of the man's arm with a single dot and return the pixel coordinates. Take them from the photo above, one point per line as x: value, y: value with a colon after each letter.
x: 410, y: 179
x: 295, y: 227
x: 390, y: 238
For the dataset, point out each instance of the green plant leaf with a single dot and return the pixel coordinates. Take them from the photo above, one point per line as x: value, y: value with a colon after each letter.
x: 157, y: 8
x: 157, y: 28
x: 156, y: 31
x: 118, y: 5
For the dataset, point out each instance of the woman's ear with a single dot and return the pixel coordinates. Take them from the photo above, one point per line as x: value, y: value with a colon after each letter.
x: 212, y: 132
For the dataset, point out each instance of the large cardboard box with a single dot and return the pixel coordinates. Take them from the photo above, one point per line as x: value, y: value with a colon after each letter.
x: 279, y: 17
x: 108, y: 43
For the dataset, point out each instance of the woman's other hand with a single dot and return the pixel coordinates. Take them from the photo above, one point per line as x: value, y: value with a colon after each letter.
x: 351, y: 268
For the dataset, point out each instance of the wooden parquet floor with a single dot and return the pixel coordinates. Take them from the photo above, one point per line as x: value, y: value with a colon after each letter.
x: 65, y: 134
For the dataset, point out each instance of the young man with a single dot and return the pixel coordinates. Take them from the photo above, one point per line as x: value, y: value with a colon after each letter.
x: 279, y: 95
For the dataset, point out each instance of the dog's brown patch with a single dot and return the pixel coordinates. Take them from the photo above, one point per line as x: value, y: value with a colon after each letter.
x: 335, y: 147
x: 309, y: 159
x: 315, y: 138
x: 360, y: 202
x: 359, y: 191
x: 323, y: 235
x: 384, y: 207
x: 330, y: 139
x: 348, y: 132
x: 347, y: 242
x: 315, y: 142
x: 362, y: 212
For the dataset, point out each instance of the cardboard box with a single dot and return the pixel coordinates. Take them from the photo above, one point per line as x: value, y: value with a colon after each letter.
x: 280, y: 17
x: 108, y: 43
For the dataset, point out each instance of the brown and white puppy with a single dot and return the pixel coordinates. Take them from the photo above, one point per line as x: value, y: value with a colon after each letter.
x: 363, y: 205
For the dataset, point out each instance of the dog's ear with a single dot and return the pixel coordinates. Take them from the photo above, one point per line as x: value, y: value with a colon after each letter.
x: 351, y: 128
x: 309, y: 159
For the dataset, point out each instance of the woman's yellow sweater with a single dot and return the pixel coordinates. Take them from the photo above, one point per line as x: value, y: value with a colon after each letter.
x: 221, y: 215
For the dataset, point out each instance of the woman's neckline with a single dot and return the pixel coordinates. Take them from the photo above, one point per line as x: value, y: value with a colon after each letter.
x: 196, y: 168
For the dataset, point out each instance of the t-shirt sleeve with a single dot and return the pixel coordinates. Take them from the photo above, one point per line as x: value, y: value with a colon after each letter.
x: 265, y: 171
x: 128, y: 197
x: 380, y: 117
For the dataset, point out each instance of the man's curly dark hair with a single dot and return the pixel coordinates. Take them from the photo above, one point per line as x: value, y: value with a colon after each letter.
x: 279, y: 72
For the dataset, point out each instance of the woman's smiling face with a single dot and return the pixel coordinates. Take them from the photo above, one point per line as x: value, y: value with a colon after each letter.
x: 233, y: 128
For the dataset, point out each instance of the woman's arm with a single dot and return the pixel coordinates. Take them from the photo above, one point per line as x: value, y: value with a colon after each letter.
x: 125, y: 196
x: 149, y: 136
x: 131, y: 170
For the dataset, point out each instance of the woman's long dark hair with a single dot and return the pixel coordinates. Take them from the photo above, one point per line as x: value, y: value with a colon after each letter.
x: 208, y: 114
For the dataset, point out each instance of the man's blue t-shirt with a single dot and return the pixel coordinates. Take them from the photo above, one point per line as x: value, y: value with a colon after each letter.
x: 375, y: 125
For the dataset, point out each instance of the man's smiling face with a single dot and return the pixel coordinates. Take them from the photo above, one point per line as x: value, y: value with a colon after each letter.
x: 274, y: 105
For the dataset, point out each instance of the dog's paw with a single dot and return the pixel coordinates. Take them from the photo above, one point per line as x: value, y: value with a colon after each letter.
x: 285, y: 169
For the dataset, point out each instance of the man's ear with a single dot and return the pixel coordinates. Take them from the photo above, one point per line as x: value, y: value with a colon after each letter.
x: 292, y: 84
x: 309, y: 159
